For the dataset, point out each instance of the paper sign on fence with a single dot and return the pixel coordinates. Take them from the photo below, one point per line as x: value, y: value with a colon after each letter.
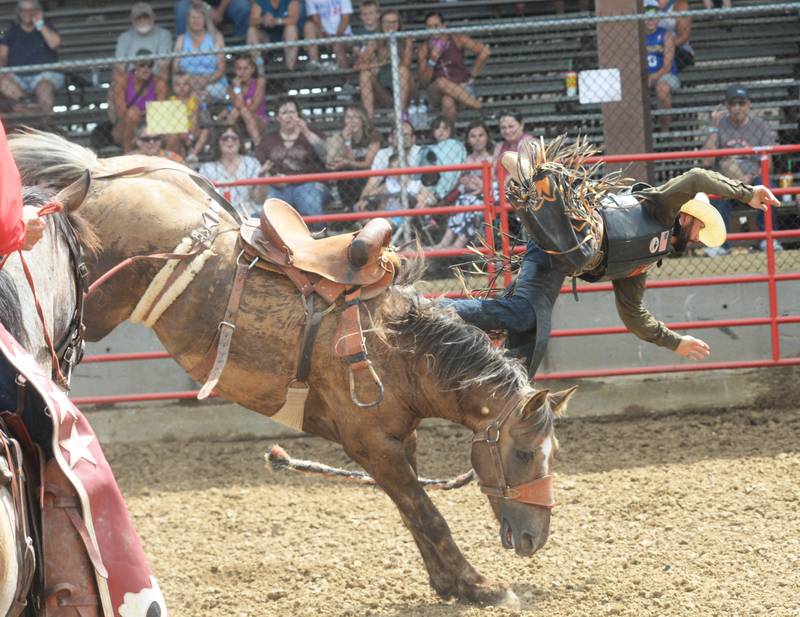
x: 599, y: 86
x: 164, y: 117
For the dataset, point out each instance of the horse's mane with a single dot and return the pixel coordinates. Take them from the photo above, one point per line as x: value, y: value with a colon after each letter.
x: 46, y: 159
x: 459, y: 354
x: 11, y: 310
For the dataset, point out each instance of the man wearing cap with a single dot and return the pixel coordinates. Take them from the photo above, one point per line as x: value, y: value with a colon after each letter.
x: 732, y: 126
x: 599, y: 231
x: 143, y: 34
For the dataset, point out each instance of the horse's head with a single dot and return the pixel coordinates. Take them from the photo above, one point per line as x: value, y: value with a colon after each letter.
x: 513, y: 458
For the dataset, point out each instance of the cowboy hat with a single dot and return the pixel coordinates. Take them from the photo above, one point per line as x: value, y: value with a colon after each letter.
x: 713, y: 232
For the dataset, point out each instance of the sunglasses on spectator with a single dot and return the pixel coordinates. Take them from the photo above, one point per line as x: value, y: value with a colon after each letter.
x: 229, y: 137
x: 149, y: 138
x: 145, y: 65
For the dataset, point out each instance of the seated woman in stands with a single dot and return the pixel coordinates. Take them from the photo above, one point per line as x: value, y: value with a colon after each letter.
x: 246, y: 96
x: 190, y: 144
x: 442, y: 67
x: 207, y: 72
x: 354, y: 147
x: 463, y: 227
x: 375, y: 71
x: 294, y: 148
x: 512, y: 131
x: 229, y: 165
x: 129, y: 98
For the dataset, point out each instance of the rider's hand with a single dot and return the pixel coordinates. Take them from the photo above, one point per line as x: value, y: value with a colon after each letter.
x: 34, y: 227
x: 762, y: 197
x: 693, y: 348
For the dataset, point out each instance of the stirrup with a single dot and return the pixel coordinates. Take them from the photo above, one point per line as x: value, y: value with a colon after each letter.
x: 375, y: 379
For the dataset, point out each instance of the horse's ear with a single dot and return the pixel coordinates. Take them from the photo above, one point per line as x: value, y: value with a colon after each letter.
x: 73, y: 195
x: 559, y: 400
x: 535, y: 403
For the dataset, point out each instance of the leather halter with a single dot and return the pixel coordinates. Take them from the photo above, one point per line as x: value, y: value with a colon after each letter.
x: 538, y: 492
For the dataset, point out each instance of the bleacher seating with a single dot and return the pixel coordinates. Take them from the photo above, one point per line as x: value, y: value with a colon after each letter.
x: 526, y: 70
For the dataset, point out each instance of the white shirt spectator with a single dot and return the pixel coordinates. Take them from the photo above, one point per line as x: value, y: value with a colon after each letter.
x: 330, y: 13
x: 381, y: 160
x: 240, y: 196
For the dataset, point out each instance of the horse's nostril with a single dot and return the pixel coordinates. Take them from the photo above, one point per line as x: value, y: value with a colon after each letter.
x: 526, y: 543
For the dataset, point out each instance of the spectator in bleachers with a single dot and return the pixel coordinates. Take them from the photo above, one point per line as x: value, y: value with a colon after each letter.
x: 442, y: 68
x: 231, y: 164
x: 381, y: 161
x: 464, y: 226
x: 129, y: 98
x: 354, y: 147
x: 662, y: 70
x: 375, y: 70
x: 326, y: 18
x: 152, y: 145
x: 246, y: 96
x: 206, y: 73
x: 190, y: 144
x: 238, y: 11
x: 272, y: 21
x: 294, y: 148
x: 512, y: 130
x: 143, y: 34
x: 681, y: 28
x: 386, y: 195
x: 446, y: 150
x: 30, y: 39
x: 369, y: 13
x: 732, y: 126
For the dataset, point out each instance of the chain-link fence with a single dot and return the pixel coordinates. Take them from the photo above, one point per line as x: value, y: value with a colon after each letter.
x: 439, y: 93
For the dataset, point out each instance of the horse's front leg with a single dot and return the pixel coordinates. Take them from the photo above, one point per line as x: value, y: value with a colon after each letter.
x: 451, y: 575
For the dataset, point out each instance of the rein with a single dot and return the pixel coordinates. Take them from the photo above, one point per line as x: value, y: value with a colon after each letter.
x: 538, y: 492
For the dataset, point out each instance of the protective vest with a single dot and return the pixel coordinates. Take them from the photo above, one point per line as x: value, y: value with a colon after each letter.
x: 633, y: 241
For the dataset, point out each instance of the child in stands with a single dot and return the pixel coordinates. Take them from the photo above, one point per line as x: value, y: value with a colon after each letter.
x: 246, y: 94
x: 191, y: 143
x: 463, y: 227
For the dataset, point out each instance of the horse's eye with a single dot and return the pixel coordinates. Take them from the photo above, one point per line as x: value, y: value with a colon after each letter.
x: 526, y: 456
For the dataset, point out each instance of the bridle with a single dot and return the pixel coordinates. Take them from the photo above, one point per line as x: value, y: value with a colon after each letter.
x: 538, y: 492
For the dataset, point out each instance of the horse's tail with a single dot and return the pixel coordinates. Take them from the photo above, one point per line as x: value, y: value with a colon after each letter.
x: 48, y: 159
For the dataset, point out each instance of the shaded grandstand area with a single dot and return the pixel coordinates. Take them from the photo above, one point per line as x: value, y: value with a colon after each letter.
x: 525, y: 72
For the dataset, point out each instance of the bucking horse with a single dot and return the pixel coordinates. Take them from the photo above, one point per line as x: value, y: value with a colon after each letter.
x: 260, y: 310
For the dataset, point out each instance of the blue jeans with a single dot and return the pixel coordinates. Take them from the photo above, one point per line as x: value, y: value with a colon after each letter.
x: 238, y: 12
x: 39, y: 426
x: 307, y: 198
x: 536, y: 290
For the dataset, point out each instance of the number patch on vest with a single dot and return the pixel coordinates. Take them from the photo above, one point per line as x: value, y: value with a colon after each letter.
x: 659, y: 243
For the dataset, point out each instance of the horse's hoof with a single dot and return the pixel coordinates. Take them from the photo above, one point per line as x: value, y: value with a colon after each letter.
x: 510, y: 600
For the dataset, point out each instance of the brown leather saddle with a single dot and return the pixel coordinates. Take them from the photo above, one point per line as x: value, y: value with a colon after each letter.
x: 283, y: 238
x: 343, y: 270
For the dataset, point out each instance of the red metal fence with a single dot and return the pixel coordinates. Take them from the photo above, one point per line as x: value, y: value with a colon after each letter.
x: 500, y: 212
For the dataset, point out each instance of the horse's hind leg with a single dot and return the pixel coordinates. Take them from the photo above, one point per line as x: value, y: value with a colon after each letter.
x: 451, y: 575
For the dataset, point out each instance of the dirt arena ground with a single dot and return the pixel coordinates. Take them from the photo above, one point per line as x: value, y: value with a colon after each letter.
x: 671, y: 515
